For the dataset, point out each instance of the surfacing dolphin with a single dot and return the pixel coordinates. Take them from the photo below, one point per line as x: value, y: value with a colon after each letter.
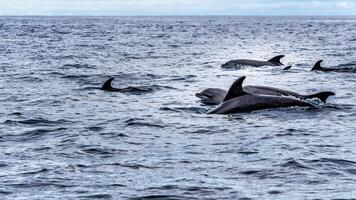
x: 318, y: 67
x: 214, y: 96
x: 276, y: 61
x: 107, y: 87
x: 237, y: 100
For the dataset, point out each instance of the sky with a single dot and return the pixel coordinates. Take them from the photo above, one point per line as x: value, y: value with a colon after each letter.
x: 177, y: 7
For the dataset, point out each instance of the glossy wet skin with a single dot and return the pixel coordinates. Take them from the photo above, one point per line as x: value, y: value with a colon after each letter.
x: 238, y: 100
x: 275, y: 61
x: 214, y: 96
x: 249, y: 103
x: 318, y: 67
x: 107, y: 86
x: 245, y: 62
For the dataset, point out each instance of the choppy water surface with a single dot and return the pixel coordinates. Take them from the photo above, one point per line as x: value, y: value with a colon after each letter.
x: 63, y: 138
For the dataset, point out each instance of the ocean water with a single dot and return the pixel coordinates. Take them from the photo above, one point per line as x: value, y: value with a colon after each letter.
x: 63, y: 138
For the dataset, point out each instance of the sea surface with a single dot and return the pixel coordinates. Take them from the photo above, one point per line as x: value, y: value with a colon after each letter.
x: 61, y: 137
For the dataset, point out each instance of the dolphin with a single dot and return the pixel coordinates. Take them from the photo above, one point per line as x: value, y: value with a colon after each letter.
x: 107, y: 87
x: 237, y: 100
x: 318, y: 67
x: 275, y: 61
x: 214, y: 96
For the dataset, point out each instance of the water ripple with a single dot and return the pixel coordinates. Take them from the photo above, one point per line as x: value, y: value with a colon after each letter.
x: 63, y: 136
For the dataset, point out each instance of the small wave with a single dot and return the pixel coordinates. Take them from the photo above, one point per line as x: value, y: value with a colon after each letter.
x: 33, y: 134
x: 164, y: 187
x: 89, y: 88
x: 144, y: 124
x: 16, y: 113
x: 44, y: 170
x: 203, y: 131
x: 141, y: 122
x: 43, y: 36
x: 66, y: 57
x: 56, y: 39
x: 274, y: 192
x: 42, y: 149
x: 103, y: 151
x: 251, y: 172
x: 95, y: 128
x: 97, y: 151
x: 187, y: 78
x: 45, y: 101
x: 314, y: 101
x: 61, y: 32
x: 188, y: 190
x: 78, y: 76
x: 203, y: 190
x: 38, y: 122
x: 161, y: 87
x: 196, y: 110
x: 53, y: 73
x: 78, y: 66
x: 160, y: 36
x: 152, y: 76
x: 349, y: 64
x: 174, y: 46
x: 261, y: 174
x: 97, y: 196
x: 247, y: 152
x: 39, y: 185
x: 341, y: 162
x: 338, y: 106
x: 113, y: 134
x: 137, y: 90
x: 160, y: 197
x: 30, y: 79
x: 351, y: 171
x: 132, y: 166
x: 4, y: 192
x: 116, y: 185
x: 3, y: 165
x: 292, y: 163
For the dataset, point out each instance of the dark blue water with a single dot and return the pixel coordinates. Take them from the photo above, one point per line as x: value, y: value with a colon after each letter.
x: 63, y: 138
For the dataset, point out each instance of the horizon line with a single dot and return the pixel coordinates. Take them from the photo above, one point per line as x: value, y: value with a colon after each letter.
x: 179, y: 15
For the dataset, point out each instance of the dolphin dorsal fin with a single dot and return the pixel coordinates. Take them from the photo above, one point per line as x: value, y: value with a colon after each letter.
x: 287, y: 68
x: 276, y: 60
x: 107, y: 84
x: 323, y: 96
x: 236, y: 89
x: 317, y: 65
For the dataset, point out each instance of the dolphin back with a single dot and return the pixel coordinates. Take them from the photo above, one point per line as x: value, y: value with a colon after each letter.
x: 249, y: 103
